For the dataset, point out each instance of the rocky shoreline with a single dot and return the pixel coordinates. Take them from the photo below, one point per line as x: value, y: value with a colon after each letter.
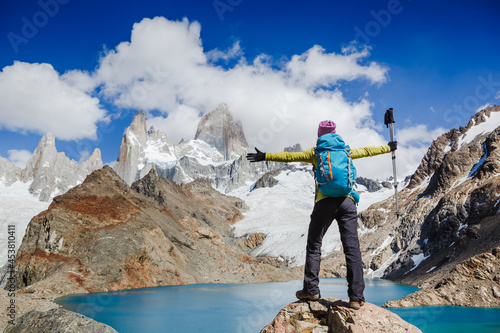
x: 475, y: 282
x: 104, y: 235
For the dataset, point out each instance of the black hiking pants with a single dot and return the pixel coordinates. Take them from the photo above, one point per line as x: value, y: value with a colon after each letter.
x: 342, y: 209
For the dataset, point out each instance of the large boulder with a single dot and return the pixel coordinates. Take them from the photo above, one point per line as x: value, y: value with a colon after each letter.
x: 333, y: 315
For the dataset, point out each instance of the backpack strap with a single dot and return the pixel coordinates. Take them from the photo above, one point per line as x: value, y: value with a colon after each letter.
x: 349, y: 159
x: 321, y: 168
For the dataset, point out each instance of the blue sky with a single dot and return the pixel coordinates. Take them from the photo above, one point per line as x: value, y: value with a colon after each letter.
x: 434, y: 62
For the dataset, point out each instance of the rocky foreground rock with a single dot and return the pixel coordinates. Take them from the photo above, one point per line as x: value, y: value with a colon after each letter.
x: 332, y: 315
x: 57, y: 320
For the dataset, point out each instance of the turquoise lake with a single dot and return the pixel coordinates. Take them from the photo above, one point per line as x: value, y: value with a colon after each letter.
x: 249, y: 307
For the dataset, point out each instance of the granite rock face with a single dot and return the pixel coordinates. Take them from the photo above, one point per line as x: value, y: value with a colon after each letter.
x: 333, y: 315
x: 52, y: 173
x: 57, y: 320
x: 295, y: 148
x: 251, y: 241
x: 267, y: 180
x: 473, y: 282
x: 132, y: 149
x: 217, y: 153
x: 370, y: 184
x: 218, y: 129
x: 9, y: 173
x: 104, y: 235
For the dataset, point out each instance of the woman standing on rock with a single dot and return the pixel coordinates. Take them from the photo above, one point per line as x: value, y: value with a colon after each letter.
x: 330, y: 206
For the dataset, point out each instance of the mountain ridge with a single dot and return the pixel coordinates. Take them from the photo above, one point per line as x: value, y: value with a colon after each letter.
x: 175, y: 235
x: 48, y: 171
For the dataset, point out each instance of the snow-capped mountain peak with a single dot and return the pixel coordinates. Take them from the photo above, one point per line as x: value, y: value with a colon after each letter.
x: 52, y: 173
x: 218, y: 144
x: 218, y: 129
x: 9, y: 173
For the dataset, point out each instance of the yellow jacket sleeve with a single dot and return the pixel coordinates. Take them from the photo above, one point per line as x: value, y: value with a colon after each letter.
x: 309, y: 155
x: 369, y: 151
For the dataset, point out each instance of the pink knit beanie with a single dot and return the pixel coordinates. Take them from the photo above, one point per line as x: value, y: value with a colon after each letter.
x: 325, y: 127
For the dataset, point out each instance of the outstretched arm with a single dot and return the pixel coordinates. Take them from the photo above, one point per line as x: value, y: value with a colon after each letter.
x: 303, y: 156
x: 373, y: 150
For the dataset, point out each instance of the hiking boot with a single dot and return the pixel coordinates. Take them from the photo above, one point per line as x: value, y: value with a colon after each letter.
x: 356, y: 305
x: 304, y: 296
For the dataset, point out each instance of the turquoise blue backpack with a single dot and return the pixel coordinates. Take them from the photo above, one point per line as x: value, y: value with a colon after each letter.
x: 335, y: 173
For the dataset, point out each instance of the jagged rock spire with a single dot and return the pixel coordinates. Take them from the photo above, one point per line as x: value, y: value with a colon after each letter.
x: 9, y: 173
x: 218, y: 129
x: 132, y: 149
x: 53, y: 173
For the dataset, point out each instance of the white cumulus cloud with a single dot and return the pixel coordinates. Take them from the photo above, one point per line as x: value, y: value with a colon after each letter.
x: 35, y: 98
x: 165, y: 71
x: 315, y: 67
x: 19, y: 157
x: 418, y: 135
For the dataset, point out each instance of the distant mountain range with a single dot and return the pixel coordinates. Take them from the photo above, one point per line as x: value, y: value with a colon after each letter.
x: 217, y: 153
x: 448, y: 208
x: 49, y: 173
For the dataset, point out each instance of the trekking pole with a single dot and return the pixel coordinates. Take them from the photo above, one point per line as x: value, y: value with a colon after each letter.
x: 389, y: 122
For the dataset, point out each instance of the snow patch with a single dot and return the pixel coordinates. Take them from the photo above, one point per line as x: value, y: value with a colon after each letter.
x: 462, y: 226
x: 448, y: 147
x: 133, y: 139
x: 17, y: 207
x: 204, y: 153
x: 384, y: 244
x: 423, y: 185
x: 459, y: 182
x: 486, y: 127
x: 417, y: 260
x: 283, y: 213
x: 364, y: 230
x: 430, y: 270
x: 366, y: 199
x: 480, y: 162
x: 381, y: 271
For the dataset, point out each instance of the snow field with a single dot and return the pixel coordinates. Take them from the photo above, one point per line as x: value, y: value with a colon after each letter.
x: 17, y: 207
x: 283, y: 214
